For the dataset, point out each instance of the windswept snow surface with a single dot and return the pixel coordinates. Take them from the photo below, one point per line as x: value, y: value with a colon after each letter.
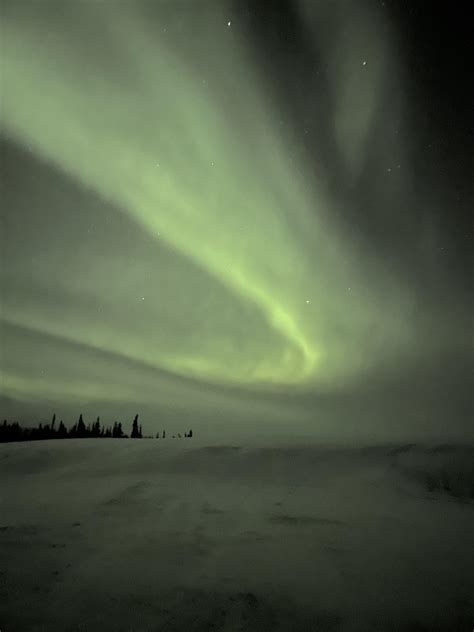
x: 176, y: 535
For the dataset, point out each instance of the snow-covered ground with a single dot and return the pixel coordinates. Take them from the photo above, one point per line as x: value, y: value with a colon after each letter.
x: 151, y: 535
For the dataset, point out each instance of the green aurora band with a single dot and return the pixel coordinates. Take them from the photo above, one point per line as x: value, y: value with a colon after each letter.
x: 249, y: 279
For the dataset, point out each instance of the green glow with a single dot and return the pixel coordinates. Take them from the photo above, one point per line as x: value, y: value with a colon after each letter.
x: 176, y: 130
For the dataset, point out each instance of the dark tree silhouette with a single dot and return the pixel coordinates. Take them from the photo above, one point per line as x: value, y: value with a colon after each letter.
x: 95, y: 432
x: 81, y: 427
x: 135, y: 432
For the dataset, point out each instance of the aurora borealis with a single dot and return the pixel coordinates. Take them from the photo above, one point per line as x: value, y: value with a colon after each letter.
x: 194, y: 221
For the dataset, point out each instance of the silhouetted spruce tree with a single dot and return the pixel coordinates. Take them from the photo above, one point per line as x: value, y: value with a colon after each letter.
x: 157, y: 435
x: 140, y: 434
x: 96, y: 428
x: 135, y: 432
x: 10, y: 432
x: 40, y: 431
x: 190, y: 433
x: 16, y: 432
x: 81, y: 427
x: 62, y: 432
x: 164, y: 434
x: 119, y: 430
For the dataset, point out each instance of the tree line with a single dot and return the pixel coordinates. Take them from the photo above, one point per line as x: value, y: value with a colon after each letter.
x: 15, y: 432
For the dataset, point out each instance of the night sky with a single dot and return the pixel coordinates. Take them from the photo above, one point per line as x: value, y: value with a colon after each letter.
x: 245, y: 217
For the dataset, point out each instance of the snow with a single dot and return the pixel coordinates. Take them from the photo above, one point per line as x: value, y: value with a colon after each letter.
x: 151, y: 535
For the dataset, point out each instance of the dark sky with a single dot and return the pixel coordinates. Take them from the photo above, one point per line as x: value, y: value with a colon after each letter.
x: 252, y: 217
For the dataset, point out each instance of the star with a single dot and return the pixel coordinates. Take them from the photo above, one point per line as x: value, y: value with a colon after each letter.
x: 229, y: 23
x: 307, y: 300
x: 364, y: 63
